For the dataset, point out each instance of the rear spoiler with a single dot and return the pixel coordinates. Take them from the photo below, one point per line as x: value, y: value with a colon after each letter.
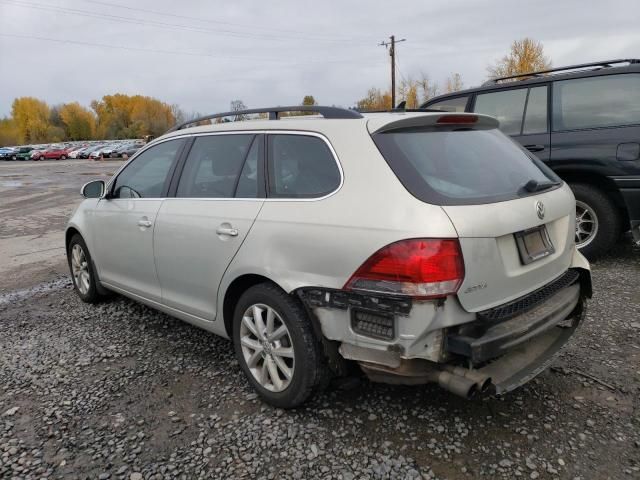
x: 382, y: 124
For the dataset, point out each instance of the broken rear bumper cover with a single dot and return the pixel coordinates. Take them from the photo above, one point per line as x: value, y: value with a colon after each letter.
x: 396, y: 340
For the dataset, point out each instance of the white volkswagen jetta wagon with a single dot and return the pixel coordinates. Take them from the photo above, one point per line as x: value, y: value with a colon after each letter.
x: 420, y: 246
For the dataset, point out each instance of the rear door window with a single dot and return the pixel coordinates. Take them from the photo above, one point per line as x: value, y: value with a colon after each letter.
x: 455, y: 104
x: 505, y: 105
x: 214, y: 167
x: 301, y: 166
x: 605, y: 101
x: 461, y: 166
x: 535, y: 118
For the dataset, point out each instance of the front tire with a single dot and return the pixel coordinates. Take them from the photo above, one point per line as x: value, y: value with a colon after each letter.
x: 63, y: 157
x: 82, y: 271
x: 276, y: 347
x: 598, y: 221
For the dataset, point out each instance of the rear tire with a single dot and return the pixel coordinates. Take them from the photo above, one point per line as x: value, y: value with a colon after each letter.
x: 598, y: 220
x: 63, y: 157
x: 273, y: 336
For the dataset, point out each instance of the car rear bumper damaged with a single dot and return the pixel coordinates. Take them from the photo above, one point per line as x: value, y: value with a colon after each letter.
x: 400, y: 341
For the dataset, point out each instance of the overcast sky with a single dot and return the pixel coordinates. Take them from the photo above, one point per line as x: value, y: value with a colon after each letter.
x: 201, y: 54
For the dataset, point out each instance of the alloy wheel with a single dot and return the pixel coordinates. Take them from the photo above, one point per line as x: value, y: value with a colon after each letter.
x: 267, y: 347
x: 586, y: 224
x: 80, y: 269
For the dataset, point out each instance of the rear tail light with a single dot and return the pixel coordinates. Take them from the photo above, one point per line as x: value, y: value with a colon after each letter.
x: 456, y: 119
x: 421, y: 268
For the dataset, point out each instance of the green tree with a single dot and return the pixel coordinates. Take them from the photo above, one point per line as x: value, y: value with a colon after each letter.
x: 525, y: 56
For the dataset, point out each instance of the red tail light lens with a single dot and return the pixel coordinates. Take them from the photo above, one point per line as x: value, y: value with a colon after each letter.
x: 457, y: 119
x: 421, y: 268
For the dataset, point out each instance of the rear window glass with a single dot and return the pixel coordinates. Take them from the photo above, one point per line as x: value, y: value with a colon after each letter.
x: 456, y: 104
x: 506, y: 105
x: 301, y: 166
x: 461, y: 167
x: 605, y: 101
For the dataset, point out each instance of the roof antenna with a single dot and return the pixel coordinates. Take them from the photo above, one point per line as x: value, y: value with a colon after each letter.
x: 402, y: 105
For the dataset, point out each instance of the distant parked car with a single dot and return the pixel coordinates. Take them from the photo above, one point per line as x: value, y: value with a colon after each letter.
x: 55, y: 152
x: 22, y: 153
x: 7, y: 153
x: 38, y: 153
x: 103, y: 152
x: 74, y: 152
x: 127, y: 150
x: 87, y: 151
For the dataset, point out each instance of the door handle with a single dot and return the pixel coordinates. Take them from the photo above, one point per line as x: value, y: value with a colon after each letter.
x: 231, y: 232
x: 144, y: 223
x: 534, y: 148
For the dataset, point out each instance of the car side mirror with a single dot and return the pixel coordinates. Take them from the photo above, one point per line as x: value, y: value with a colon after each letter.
x: 94, y: 189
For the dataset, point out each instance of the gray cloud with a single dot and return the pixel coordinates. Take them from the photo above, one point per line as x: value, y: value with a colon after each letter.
x: 202, y: 54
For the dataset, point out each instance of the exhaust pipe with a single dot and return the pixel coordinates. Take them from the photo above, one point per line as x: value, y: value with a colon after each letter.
x: 484, y: 382
x: 457, y: 384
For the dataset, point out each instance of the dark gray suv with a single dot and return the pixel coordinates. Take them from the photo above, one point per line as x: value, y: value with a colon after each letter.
x: 584, y: 122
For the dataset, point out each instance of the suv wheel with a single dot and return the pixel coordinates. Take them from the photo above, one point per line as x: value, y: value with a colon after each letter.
x: 597, y: 220
x: 276, y: 347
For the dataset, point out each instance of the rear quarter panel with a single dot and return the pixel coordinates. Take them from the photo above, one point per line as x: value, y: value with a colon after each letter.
x: 300, y: 243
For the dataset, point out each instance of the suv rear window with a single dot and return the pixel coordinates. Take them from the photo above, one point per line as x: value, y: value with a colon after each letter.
x: 592, y: 102
x: 461, y: 167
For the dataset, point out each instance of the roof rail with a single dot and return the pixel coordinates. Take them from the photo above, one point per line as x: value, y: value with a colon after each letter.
x: 602, y: 64
x: 400, y: 109
x: 326, y: 112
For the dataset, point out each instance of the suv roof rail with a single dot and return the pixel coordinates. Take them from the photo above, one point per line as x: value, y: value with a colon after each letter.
x: 326, y: 112
x: 602, y: 64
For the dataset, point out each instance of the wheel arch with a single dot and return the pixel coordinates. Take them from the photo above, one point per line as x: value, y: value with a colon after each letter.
x: 68, y: 235
x: 233, y: 293
x: 599, y: 181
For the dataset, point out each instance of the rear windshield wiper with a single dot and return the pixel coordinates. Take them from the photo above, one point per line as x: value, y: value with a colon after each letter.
x: 536, y: 186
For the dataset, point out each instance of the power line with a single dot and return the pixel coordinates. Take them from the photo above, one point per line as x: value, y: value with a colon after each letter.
x: 182, y: 53
x: 155, y: 23
x: 392, y: 53
x: 219, y: 22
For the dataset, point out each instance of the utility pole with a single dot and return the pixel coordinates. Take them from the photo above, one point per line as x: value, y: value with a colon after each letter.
x: 392, y: 53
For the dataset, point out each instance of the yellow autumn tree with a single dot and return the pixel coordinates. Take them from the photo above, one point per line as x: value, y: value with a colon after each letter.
x: 454, y: 83
x: 125, y: 116
x: 31, y: 118
x: 9, y: 134
x: 79, y: 122
x: 526, y: 55
x: 375, y: 100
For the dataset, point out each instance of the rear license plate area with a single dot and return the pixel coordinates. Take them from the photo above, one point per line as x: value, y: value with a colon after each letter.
x: 534, y: 244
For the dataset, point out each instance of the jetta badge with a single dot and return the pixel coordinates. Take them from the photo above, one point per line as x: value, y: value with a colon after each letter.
x: 540, y: 209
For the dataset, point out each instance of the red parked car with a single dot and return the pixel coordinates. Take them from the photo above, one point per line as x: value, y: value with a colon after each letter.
x: 56, y: 152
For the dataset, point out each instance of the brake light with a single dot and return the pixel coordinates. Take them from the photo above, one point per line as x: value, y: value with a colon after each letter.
x: 422, y: 268
x: 457, y: 119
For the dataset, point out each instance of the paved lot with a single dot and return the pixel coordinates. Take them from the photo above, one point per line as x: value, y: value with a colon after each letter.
x: 120, y: 391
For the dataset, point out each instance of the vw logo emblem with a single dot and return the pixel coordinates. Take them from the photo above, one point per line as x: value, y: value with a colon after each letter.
x: 540, y: 209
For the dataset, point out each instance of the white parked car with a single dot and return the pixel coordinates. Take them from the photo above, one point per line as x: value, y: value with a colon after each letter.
x: 424, y: 247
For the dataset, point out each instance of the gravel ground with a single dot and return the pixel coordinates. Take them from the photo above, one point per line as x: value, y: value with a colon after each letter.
x: 119, y: 391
